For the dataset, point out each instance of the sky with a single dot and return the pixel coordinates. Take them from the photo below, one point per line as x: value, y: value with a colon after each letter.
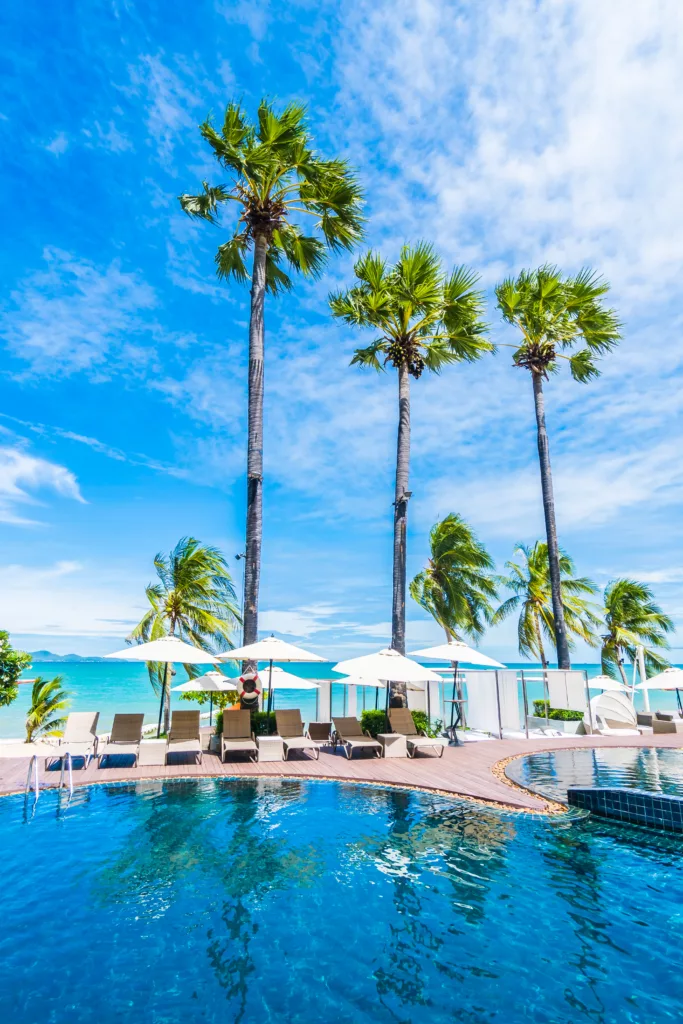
x: 508, y: 134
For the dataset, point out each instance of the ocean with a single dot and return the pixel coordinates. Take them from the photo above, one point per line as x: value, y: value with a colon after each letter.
x: 120, y: 687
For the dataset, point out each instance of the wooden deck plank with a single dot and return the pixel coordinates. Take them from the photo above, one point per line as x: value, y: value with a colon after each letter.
x: 464, y: 771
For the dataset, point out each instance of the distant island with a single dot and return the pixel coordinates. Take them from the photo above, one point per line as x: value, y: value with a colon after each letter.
x: 48, y: 656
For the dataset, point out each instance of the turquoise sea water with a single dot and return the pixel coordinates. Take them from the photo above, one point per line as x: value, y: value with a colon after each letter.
x: 116, y: 686
x: 302, y: 903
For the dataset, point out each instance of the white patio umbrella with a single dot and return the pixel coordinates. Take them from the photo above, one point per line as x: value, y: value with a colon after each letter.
x: 669, y: 679
x: 210, y: 682
x: 281, y: 680
x: 457, y: 651
x: 270, y: 649
x: 168, y: 649
x: 607, y: 683
x: 389, y: 666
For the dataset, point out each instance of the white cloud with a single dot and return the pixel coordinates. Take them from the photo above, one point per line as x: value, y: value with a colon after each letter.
x: 22, y: 476
x: 108, y: 138
x: 58, y: 145
x: 172, y: 95
x: 68, y: 317
x: 67, y: 598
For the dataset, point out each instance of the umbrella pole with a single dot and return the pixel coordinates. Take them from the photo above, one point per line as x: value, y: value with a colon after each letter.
x: 429, y: 708
x: 161, y: 702
x: 680, y: 705
x: 386, y: 708
x: 270, y: 686
x: 210, y: 708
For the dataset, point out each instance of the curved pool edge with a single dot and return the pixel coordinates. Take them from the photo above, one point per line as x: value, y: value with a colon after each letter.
x: 549, y: 808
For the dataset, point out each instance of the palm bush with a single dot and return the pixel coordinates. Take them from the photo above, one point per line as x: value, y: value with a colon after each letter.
x: 633, y: 620
x: 559, y: 318
x: 48, y: 700
x: 276, y: 179
x: 529, y: 580
x: 458, y: 583
x: 193, y: 600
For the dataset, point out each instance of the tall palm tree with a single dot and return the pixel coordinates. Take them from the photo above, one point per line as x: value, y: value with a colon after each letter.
x: 557, y: 315
x: 425, y: 319
x: 193, y: 600
x: 529, y: 580
x: 275, y: 178
x: 48, y: 699
x: 633, y: 619
x: 457, y: 585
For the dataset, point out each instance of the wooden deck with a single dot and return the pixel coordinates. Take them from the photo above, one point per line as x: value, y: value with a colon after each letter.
x: 471, y: 770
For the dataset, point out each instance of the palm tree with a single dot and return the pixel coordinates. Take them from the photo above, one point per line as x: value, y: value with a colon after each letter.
x: 555, y: 314
x: 425, y: 319
x: 47, y: 700
x: 193, y: 600
x: 529, y: 580
x: 457, y: 585
x: 275, y: 177
x: 633, y: 620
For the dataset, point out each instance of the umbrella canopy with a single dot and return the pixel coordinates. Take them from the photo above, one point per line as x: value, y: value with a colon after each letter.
x: 669, y: 679
x: 210, y: 682
x: 387, y: 665
x: 377, y: 684
x: 606, y: 683
x: 270, y: 649
x: 457, y: 650
x: 166, y: 649
x: 281, y: 680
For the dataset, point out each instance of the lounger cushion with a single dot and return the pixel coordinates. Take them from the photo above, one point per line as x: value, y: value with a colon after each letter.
x: 298, y: 742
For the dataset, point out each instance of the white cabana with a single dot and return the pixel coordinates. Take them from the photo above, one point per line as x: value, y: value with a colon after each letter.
x: 270, y: 649
x: 166, y: 650
x: 210, y: 682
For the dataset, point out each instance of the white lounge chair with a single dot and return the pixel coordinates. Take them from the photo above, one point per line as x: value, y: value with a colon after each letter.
x: 184, y: 736
x: 125, y: 738
x: 79, y: 738
x: 290, y: 729
x: 401, y: 721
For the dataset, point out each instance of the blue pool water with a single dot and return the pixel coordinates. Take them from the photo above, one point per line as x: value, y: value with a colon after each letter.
x: 550, y: 773
x: 267, y: 901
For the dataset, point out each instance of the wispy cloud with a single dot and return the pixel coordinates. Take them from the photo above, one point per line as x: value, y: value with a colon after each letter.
x: 58, y: 145
x: 67, y: 317
x: 23, y: 477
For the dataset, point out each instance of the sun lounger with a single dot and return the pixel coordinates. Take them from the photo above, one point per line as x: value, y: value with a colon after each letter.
x: 125, y: 738
x: 79, y: 738
x: 290, y: 728
x: 320, y: 733
x: 401, y: 721
x: 184, y: 736
x: 349, y: 733
x: 664, y: 722
x: 237, y: 737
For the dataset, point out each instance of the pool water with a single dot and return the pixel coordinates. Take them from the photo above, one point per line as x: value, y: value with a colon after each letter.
x: 658, y: 770
x: 285, y: 901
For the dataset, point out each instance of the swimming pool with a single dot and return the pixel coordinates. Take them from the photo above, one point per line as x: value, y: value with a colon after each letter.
x: 550, y: 772
x: 213, y: 901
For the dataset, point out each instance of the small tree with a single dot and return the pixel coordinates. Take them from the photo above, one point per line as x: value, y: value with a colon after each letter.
x: 48, y: 699
x: 12, y: 664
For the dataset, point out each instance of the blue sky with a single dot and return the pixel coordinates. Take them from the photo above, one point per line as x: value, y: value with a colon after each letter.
x: 508, y: 133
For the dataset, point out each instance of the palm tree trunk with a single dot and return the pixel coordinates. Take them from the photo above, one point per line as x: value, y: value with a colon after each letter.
x: 550, y: 526
x: 620, y: 664
x: 252, y: 568
x: 401, y: 496
x: 539, y: 639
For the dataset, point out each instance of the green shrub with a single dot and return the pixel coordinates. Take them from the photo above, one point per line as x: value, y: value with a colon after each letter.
x: 220, y: 699
x: 556, y: 714
x: 422, y: 724
x: 374, y: 721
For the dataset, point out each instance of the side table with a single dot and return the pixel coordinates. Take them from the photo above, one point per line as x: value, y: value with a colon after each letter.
x: 393, y: 744
x: 270, y: 748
